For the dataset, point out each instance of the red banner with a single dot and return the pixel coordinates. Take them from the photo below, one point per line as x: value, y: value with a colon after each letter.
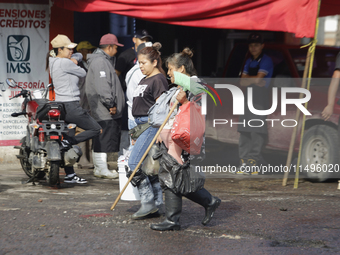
x: 274, y: 15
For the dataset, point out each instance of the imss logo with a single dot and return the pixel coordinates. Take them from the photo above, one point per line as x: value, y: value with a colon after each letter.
x: 18, y: 53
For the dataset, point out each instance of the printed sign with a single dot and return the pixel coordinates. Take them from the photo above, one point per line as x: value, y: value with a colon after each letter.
x: 24, y: 43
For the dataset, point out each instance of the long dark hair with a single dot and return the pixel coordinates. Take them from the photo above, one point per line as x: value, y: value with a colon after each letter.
x: 49, y: 54
x: 152, y: 54
x: 182, y: 59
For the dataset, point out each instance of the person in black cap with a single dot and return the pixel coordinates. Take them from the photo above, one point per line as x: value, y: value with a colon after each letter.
x: 127, y: 58
x: 256, y: 73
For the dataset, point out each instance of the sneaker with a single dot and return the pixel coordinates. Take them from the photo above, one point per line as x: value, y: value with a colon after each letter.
x: 252, y: 163
x: 74, y: 179
x: 241, y: 168
x: 242, y: 172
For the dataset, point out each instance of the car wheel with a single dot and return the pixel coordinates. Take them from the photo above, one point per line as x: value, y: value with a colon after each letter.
x: 320, y: 153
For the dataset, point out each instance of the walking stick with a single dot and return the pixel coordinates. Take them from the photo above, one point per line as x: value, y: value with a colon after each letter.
x: 145, y: 154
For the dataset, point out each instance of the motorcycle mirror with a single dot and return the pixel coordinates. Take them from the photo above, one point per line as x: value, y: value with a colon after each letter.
x: 11, y: 82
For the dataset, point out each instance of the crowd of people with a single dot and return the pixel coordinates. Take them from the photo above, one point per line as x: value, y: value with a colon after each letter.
x: 105, y: 98
x: 95, y: 91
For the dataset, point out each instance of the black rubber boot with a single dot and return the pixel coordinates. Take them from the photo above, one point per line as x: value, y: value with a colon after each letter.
x: 205, y: 199
x: 173, y: 209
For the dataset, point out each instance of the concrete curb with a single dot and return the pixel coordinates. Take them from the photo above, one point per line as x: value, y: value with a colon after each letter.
x: 8, y: 156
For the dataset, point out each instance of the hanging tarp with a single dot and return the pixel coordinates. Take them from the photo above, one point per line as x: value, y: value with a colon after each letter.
x: 24, y: 43
x: 274, y: 15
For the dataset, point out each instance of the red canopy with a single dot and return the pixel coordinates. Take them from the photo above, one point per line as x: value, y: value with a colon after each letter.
x: 295, y: 16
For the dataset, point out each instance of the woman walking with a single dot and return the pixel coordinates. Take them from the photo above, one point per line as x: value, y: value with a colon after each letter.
x: 182, y: 62
x: 145, y: 96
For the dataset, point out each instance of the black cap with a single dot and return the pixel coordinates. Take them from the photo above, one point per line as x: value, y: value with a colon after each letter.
x: 255, y: 38
x: 142, y: 34
x: 143, y: 45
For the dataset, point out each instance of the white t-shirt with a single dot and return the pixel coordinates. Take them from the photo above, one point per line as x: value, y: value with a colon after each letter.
x: 132, y: 79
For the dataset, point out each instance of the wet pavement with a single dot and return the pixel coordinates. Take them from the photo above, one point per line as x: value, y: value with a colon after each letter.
x: 256, y: 216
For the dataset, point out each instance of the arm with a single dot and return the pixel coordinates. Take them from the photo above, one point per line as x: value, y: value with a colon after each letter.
x: 265, y: 68
x: 333, y: 88
x: 76, y: 57
x: 182, y: 97
x: 247, y: 80
x: 71, y: 68
x: 118, y: 72
x: 103, y: 84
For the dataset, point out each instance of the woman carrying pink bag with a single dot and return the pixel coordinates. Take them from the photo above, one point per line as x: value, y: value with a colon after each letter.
x: 181, y: 62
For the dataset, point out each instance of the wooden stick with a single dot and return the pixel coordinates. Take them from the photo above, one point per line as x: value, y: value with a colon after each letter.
x: 297, y: 117
x: 145, y: 154
x: 308, y: 69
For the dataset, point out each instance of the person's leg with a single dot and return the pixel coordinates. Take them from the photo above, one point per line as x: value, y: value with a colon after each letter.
x: 173, y: 209
x: 145, y: 189
x: 124, y: 136
x: 141, y: 145
x: 71, y: 176
x: 70, y: 107
x: 112, y: 154
x: 69, y: 170
x: 106, y: 141
x: 243, y: 150
x: 205, y: 199
x: 77, y: 115
x: 173, y: 149
x: 147, y: 199
x: 243, y: 145
x: 124, y: 142
x: 257, y: 143
x: 157, y: 191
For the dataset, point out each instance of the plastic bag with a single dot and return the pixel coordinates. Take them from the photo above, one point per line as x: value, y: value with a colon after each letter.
x: 179, y: 178
x: 151, y: 166
x: 189, y: 127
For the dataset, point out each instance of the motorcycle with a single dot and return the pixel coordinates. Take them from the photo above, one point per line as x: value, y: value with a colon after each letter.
x: 41, y: 153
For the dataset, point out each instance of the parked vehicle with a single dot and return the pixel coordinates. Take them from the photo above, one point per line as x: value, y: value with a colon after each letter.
x: 320, y: 149
x: 41, y: 153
